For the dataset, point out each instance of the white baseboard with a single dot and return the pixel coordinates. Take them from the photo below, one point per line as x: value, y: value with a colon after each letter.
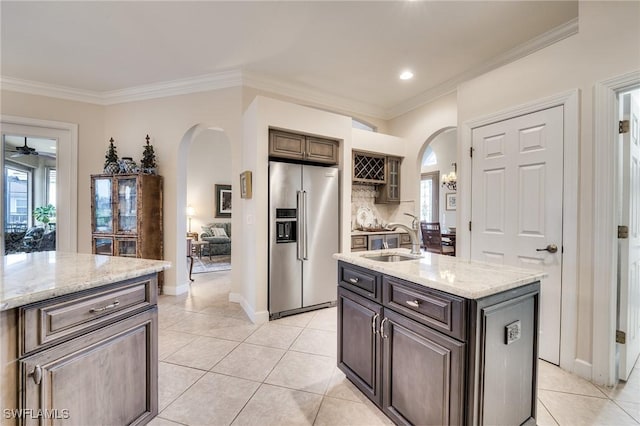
x: 259, y: 317
x: 583, y: 368
x: 176, y: 290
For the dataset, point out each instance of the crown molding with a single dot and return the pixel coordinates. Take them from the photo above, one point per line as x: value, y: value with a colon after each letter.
x: 235, y: 78
x: 546, y: 39
x: 51, y: 90
x: 203, y: 83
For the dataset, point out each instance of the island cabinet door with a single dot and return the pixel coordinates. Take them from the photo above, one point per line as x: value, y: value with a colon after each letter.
x: 105, y: 377
x: 423, y: 381
x: 359, y: 344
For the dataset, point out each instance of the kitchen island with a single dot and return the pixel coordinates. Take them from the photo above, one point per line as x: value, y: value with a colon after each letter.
x: 78, y: 338
x: 437, y: 339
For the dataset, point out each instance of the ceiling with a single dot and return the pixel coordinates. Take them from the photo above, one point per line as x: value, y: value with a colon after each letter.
x: 41, y: 145
x: 349, y: 50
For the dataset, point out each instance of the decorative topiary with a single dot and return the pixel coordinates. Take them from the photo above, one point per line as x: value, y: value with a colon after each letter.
x: 148, y: 162
x: 111, y: 159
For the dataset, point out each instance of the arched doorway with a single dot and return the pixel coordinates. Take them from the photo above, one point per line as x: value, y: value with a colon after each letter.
x: 204, y: 139
x: 437, y: 157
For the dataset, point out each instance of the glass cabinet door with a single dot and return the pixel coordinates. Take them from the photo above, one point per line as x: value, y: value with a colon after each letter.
x: 394, y: 179
x: 127, y: 205
x: 103, y: 245
x: 103, y: 205
x: 126, y: 247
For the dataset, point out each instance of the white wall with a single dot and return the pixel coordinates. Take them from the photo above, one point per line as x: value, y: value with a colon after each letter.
x: 444, y: 146
x: 418, y: 128
x: 209, y: 163
x: 608, y: 44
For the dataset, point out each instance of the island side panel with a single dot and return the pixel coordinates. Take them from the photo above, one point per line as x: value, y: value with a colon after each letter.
x: 9, y: 365
x: 503, y: 357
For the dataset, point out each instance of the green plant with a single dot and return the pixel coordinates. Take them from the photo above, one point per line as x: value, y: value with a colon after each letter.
x: 44, y: 213
x: 148, y: 156
x: 111, y: 156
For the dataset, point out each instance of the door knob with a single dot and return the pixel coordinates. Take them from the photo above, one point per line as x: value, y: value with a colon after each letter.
x: 551, y: 248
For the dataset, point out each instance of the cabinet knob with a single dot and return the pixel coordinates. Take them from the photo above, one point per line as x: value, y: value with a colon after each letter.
x: 36, y: 374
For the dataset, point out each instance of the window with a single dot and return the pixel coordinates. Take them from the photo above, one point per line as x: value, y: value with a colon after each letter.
x: 429, y: 196
x: 51, y: 186
x: 359, y: 124
x: 18, y: 200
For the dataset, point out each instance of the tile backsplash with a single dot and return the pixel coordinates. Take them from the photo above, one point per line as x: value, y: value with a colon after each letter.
x: 364, y: 196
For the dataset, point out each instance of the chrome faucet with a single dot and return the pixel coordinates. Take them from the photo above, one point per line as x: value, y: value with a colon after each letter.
x: 413, y: 232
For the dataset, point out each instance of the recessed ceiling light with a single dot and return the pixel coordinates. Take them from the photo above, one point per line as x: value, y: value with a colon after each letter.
x: 406, y: 75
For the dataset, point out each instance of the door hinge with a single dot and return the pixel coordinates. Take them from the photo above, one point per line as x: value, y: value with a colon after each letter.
x: 471, y: 152
x: 623, y: 232
x: 621, y: 337
x: 623, y: 126
x: 469, y: 225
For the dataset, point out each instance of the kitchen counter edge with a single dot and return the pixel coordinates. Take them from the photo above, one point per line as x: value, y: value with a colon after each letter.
x: 34, y: 277
x: 461, y: 277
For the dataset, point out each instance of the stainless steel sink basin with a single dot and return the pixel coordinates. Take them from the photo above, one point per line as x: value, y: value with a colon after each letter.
x: 390, y: 257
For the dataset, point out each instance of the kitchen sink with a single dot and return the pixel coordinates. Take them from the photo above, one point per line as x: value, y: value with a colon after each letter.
x: 390, y: 257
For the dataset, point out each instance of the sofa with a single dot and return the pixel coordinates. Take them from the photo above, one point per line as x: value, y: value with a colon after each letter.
x: 219, y: 242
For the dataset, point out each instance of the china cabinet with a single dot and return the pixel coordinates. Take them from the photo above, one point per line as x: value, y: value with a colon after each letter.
x: 126, y: 215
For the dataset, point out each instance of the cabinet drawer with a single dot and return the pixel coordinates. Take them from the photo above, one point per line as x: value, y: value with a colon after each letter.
x: 360, y: 280
x: 62, y: 318
x: 439, y: 310
x: 358, y: 241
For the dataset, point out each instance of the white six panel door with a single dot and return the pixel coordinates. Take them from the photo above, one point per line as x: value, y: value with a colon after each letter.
x: 629, y: 250
x: 516, y: 206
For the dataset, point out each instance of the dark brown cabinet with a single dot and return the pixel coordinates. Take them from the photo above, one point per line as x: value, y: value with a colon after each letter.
x: 423, y: 373
x: 359, y: 350
x: 295, y: 146
x: 429, y: 357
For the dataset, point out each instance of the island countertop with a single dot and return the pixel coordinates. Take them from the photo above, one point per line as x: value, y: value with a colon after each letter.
x: 32, y: 277
x: 462, y: 277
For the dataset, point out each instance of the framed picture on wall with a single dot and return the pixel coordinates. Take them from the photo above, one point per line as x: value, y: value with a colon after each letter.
x: 451, y: 203
x: 245, y: 184
x: 223, y: 200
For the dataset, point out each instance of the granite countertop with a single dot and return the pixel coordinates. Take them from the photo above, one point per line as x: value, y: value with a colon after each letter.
x: 466, y: 278
x: 32, y: 277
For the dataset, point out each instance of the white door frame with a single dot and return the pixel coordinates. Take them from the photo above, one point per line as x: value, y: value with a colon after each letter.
x: 67, y: 172
x: 605, y: 235
x: 569, y: 304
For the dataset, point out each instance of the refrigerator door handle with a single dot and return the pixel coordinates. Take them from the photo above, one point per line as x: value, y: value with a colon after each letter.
x: 306, y: 216
x: 299, y: 225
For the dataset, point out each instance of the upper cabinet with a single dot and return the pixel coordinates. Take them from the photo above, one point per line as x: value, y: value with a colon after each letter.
x: 390, y: 191
x: 293, y: 146
x: 380, y: 170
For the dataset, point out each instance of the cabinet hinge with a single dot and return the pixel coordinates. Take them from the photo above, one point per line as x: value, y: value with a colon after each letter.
x: 623, y: 126
x: 621, y: 337
x: 469, y: 225
x: 471, y: 152
x: 623, y: 232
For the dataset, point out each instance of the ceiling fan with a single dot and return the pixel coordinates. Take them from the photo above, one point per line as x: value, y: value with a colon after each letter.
x: 25, y: 149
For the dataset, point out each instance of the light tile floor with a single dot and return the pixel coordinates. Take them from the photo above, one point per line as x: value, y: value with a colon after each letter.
x: 217, y: 368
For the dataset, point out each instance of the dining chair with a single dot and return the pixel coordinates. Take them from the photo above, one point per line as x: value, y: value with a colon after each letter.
x: 432, y: 239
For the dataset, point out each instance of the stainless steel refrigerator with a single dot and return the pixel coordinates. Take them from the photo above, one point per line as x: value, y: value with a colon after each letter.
x: 303, y: 234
